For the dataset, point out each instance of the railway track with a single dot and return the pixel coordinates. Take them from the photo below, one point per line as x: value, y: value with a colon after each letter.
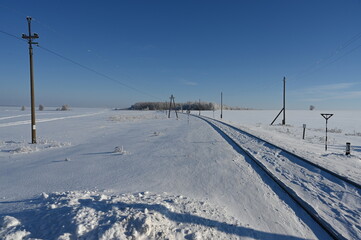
x: 333, y: 201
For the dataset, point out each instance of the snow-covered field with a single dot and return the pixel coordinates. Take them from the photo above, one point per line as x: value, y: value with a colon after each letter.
x: 103, y: 174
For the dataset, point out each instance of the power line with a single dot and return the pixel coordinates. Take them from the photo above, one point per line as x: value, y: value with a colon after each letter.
x: 333, y: 61
x: 323, y: 62
x: 99, y: 56
x: 85, y: 67
x: 97, y: 72
x: 12, y: 35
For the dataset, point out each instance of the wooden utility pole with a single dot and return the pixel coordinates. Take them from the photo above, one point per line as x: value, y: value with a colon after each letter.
x: 284, y: 101
x: 221, y: 105
x: 170, y: 106
x: 199, y: 107
x: 284, y: 104
x: 30, y: 42
x: 175, y: 108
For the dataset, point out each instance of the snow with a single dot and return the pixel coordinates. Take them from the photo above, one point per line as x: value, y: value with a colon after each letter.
x: 95, y: 215
x: 9, y: 229
x: 325, y: 194
x: 104, y: 174
x: 343, y: 126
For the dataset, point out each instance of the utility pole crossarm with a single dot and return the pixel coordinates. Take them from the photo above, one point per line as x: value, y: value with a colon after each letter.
x: 30, y: 37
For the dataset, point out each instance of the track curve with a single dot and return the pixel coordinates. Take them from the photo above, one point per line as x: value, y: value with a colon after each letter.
x: 318, y: 196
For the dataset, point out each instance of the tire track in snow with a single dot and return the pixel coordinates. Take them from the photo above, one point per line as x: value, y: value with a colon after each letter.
x: 16, y: 116
x: 22, y: 115
x: 10, y: 124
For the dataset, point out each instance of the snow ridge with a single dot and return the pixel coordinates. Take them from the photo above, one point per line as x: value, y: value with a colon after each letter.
x: 96, y: 215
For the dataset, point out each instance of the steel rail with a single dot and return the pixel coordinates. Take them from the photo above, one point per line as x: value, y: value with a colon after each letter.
x: 293, y: 195
x: 341, y: 177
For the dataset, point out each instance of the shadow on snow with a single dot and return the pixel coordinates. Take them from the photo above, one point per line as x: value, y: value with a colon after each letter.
x: 46, y: 223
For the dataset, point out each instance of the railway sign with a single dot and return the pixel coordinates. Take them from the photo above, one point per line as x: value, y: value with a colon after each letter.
x: 326, y: 116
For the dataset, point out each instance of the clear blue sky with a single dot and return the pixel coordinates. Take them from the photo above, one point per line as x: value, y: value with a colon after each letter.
x: 192, y: 49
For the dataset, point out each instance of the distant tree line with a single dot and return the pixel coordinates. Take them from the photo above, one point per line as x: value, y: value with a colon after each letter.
x: 181, y: 106
x: 41, y: 108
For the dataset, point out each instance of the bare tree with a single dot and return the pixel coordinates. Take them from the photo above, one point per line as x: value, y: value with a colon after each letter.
x: 63, y: 108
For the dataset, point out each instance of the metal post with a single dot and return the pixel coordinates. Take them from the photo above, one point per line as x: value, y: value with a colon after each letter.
x: 304, y: 130
x: 284, y: 101
x: 30, y: 42
x: 326, y: 116
x: 326, y: 136
x: 221, y: 105
x: 348, y: 148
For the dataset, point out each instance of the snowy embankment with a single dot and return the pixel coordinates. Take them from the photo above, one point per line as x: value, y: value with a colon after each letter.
x: 343, y: 126
x: 101, y: 174
x: 94, y: 215
x: 335, y: 201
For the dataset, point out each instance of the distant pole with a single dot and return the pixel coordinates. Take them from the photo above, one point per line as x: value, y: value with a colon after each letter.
x: 284, y: 105
x: 284, y: 101
x: 175, y: 108
x: 221, y: 105
x: 304, y: 131
x: 30, y: 42
x: 199, y: 107
x: 170, y: 105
